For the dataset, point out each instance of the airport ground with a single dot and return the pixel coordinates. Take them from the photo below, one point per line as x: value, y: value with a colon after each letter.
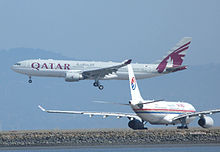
x: 109, y: 137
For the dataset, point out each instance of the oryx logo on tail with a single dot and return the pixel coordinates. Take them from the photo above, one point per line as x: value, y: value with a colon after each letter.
x: 175, y: 58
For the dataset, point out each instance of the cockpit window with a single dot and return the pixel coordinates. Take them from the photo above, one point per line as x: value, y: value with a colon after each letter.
x: 17, y: 63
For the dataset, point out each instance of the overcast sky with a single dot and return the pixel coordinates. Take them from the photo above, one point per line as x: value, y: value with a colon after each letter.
x: 112, y: 30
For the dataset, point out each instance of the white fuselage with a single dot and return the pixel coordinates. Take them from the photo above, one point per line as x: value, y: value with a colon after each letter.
x: 59, y: 68
x: 163, y: 112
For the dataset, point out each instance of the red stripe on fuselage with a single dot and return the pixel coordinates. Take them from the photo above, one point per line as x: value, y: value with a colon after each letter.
x: 170, y: 110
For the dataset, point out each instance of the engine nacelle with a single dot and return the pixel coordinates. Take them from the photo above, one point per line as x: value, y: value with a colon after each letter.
x: 135, y: 124
x: 206, y: 122
x: 73, y: 76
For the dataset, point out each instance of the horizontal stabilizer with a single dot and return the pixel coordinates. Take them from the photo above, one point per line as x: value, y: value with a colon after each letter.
x: 174, y: 69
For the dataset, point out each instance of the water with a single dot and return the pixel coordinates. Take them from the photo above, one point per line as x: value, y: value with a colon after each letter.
x: 168, y: 148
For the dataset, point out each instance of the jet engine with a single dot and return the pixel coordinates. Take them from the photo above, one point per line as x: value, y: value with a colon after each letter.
x: 206, y: 122
x: 135, y: 124
x: 73, y: 76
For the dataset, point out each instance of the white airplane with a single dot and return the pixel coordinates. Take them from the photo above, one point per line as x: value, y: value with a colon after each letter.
x: 85, y: 70
x: 156, y: 112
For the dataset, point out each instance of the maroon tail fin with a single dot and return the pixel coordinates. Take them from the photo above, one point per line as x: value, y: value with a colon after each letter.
x: 175, y: 58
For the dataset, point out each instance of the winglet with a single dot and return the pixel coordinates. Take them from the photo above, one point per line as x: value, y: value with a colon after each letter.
x: 41, y: 108
x: 126, y: 62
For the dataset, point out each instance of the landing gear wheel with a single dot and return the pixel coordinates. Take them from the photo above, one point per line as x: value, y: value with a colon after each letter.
x: 182, y: 127
x: 186, y: 127
x: 179, y: 127
x: 30, y: 81
x: 95, y: 84
x: 101, y: 87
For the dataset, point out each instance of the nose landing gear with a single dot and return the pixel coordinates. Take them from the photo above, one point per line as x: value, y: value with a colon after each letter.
x: 30, y: 81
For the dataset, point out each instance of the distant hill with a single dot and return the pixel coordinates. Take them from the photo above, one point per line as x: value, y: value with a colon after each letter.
x: 198, y: 85
x: 11, y: 56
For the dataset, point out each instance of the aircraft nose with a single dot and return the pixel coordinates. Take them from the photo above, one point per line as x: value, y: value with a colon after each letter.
x: 13, y: 67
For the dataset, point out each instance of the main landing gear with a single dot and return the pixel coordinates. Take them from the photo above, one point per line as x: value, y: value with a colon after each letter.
x: 183, y: 124
x: 183, y: 127
x: 97, y: 84
x: 30, y: 81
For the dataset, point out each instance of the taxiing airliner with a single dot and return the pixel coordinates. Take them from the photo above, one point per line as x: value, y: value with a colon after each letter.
x: 91, y: 70
x: 156, y: 112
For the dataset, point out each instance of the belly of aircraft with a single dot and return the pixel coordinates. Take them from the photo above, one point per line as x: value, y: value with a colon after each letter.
x: 61, y: 73
x: 44, y: 73
x: 161, y: 118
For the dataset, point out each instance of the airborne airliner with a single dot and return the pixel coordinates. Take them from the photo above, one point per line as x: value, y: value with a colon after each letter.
x: 82, y: 70
x: 156, y: 112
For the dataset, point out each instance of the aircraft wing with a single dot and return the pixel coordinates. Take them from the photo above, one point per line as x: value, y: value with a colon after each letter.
x: 194, y: 114
x: 104, y: 114
x: 102, y: 72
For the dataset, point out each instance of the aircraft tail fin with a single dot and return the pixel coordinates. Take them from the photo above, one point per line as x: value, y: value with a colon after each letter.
x: 135, y: 93
x: 175, y: 56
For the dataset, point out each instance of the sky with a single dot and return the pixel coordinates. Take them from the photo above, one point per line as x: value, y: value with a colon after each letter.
x: 102, y: 31
x: 112, y: 30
